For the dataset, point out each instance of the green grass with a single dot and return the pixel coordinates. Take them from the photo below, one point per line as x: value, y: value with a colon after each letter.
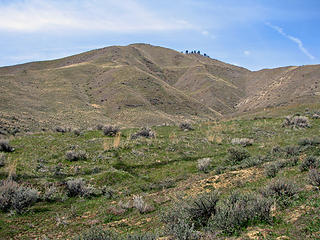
x: 165, y: 166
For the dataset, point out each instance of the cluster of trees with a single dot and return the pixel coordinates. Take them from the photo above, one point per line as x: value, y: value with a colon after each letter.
x: 195, y: 52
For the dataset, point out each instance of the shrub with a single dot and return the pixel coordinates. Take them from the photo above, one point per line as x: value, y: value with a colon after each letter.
x: 236, y: 155
x: 78, y: 187
x: 77, y: 132
x: 96, y: 233
x: 281, y: 190
x: 242, y: 141
x: 239, y: 211
x: 314, y: 177
x: 16, y: 197
x: 5, y: 146
x: 142, y: 236
x: 76, y: 155
x: 62, y: 129
x: 204, y: 164
x: 309, y: 141
x: 141, y: 205
x: 291, y: 150
x: 2, y: 160
x: 203, y: 207
x: 309, y: 163
x: 143, y: 132
x: 186, y: 127
x: 51, y: 194
x: 271, y: 170
x: 99, y: 127
x: 110, y: 131
x: 182, y: 230
x: 296, y: 121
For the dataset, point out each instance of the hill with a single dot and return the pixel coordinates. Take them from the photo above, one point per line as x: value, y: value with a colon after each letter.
x: 140, y: 85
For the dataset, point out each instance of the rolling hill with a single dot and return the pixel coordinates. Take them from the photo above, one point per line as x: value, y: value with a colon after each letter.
x: 141, y: 84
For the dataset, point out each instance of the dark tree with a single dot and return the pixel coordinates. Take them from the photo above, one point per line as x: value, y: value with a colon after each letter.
x: 198, y: 52
x: 187, y: 51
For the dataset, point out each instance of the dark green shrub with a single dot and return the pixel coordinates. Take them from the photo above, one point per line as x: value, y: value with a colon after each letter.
x: 203, y: 207
x: 76, y: 155
x: 283, y: 191
x: 186, y: 127
x: 236, y: 155
x: 5, y: 146
x: 314, y: 177
x: 271, y: 170
x: 62, y: 129
x: 239, y: 211
x: 110, y: 131
x: 143, y: 132
x: 16, y: 197
x: 309, y: 163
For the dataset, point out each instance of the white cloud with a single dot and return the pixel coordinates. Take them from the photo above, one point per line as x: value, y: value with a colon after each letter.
x: 95, y: 15
x: 293, y: 39
x: 246, y: 52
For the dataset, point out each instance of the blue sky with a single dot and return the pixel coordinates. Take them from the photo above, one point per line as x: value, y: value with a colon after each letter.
x: 254, y: 34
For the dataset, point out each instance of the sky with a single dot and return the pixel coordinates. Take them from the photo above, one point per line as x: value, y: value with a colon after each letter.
x: 254, y: 34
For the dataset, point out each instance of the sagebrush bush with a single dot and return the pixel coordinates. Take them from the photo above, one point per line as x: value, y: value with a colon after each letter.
x: 291, y: 151
x: 283, y: 191
x: 77, y: 132
x: 5, y: 146
x: 271, y: 170
x: 242, y: 141
x: 51, y: 194
x: 309, y: 163
x: 62, y: 129
x: 203, y: 207
x: 16, y: 197
x: 239, y: 211
x: 110, y: 131
x: 141, y: 236
x: 143, y: 132
x: 96, y: 233
x: 141, y: 205
x: 314, y: 177
x: 99, y: 126
x: 2, y: 160
x: 186, y: 127
x: 204, y: 164
x: 296, y: 121
x: 236, y: 155
x: 309, y: 142
x: 76, y: 155
x: 78, y: 187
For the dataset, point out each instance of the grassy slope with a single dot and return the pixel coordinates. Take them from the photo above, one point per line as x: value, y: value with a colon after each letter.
x: 160, y: 169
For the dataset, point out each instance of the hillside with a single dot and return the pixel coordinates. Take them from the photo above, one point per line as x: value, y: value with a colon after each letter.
x: 165, y: 187
x: 133, y: 85
x: 140, y: 85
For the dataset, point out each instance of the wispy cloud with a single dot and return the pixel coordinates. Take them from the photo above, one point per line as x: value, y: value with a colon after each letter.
x: 293, y: 39
x: 95, y: 15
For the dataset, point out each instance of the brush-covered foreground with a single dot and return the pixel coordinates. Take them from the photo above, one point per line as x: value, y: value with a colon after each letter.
x: 212, y: 182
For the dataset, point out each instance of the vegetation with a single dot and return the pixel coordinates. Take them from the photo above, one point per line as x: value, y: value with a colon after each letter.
x: 183, y: 184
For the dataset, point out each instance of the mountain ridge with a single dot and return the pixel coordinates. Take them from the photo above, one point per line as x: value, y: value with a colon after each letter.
x: 140, y: 85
